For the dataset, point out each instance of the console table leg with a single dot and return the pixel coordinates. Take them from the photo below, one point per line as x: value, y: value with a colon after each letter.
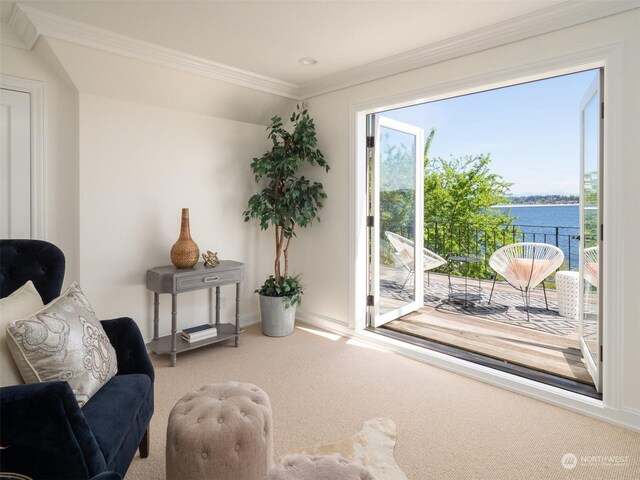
x: 217, y: 305
x: 174, y: 322
x: 156, y: 314
x: 237, y: 314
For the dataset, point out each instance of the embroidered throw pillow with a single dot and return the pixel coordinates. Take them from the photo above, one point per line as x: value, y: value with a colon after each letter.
x: 64, y: 341
x: 20, y: 304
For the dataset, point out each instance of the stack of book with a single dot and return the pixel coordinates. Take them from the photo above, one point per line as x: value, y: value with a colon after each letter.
x: 201, y: 332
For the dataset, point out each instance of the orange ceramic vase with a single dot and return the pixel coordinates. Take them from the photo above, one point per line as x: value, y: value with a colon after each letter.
x: 185, y: 252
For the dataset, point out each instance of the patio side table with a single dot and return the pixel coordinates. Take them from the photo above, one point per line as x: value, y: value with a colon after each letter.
x: 471, y: 293
x: 568, y: 290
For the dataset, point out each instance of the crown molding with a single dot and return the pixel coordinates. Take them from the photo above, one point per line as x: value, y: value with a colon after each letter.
x: 29, y: 23
x: 23, y: 27
x: 550, y: 19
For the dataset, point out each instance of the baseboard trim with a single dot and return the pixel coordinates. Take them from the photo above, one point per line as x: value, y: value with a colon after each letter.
x: 545, y: 393
x: 321, y: 321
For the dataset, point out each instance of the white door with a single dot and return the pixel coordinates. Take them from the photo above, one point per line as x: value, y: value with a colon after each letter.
x: 591, y: 228
x: 15, y: 164
x: 396, y: 228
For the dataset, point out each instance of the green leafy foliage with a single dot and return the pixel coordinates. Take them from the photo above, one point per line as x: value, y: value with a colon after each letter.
x: 458, y: 195
x: 397, y: 193
x: 287, y: 200
x: 289, y: 288
x: 590, y: 211
x: 397, y: 183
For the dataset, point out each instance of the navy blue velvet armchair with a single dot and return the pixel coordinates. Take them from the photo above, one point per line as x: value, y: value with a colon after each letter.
x: 43, y: 431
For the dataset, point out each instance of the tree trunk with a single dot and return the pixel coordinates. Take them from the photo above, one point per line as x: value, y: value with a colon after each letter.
x: 276, y: 269
x: 286, y: 252
x: 286, y: 260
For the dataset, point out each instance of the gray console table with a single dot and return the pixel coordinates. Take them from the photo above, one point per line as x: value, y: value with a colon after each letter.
x: 169, y: 279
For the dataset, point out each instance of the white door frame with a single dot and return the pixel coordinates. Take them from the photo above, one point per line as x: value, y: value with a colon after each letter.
x: 610, y: 57
x: 36, y: 91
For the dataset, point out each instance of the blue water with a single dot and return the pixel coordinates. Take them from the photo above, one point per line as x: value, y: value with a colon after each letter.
x: 546, y: 215
x: 538, y: 224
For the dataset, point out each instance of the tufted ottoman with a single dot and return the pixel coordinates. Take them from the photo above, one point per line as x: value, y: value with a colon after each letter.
x: 305, y: 467
x: 222, y: 432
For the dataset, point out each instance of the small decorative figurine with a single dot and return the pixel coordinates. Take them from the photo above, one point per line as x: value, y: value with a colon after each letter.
x: 210, y: 258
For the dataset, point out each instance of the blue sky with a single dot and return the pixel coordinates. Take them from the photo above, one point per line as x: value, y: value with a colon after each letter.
x: 531, y: 131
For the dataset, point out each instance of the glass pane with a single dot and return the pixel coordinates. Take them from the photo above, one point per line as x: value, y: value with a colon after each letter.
x: 397, y: 218
x: 591, y: 222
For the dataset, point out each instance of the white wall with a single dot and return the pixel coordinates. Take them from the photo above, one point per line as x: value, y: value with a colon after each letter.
x: 324, y: 251
x: 140, y: 165
x: 60, y: 148
x: 154, y: 140
x: 105, y: 74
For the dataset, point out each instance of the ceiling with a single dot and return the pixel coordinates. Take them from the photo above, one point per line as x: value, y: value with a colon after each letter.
x: 268, y: 37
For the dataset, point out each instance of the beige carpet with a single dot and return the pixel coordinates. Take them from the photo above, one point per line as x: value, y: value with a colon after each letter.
x: 324, y: 387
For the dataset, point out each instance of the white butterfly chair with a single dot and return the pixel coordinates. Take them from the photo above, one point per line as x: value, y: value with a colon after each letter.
x: 591, y: 265
x: 524, y: 266
x: 404, y: 254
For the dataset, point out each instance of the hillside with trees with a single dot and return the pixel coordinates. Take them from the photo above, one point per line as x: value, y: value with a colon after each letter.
x: 544, y: 199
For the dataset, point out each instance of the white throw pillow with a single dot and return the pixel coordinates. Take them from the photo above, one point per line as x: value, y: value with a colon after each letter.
x: 64, y: 341
x: 20, y: 304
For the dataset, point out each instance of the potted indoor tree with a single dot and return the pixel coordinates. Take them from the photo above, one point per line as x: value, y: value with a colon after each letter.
x: 288, y: 201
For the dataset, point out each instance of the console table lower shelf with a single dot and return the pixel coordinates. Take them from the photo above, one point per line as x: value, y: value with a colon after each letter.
x: 162, y: 345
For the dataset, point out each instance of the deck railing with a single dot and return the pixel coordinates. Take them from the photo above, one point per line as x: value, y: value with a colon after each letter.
x: 477, y: 241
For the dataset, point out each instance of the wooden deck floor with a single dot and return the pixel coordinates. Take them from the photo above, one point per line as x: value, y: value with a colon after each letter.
x: 555, y: 354
x: 548, y: 343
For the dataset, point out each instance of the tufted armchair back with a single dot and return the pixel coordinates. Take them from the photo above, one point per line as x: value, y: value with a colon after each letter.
x: 35, y: 260
x: 42, y: 422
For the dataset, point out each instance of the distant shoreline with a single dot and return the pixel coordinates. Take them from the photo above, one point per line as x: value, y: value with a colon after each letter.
x: 517, y: 205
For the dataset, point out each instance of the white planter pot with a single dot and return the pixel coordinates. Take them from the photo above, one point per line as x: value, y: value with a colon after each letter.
x: 277, y: 321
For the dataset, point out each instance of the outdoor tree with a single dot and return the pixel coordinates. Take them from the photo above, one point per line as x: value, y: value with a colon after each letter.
x: 397, y: 187
x: 458, y: 195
